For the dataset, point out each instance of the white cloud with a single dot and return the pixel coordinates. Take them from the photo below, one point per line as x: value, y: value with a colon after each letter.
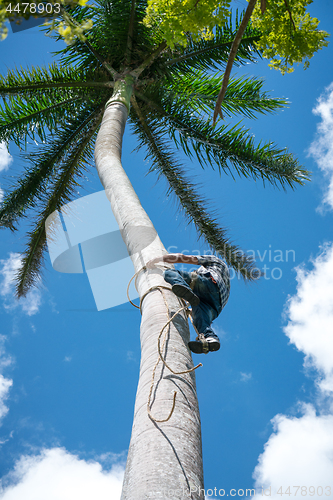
x: 130, y: 356
x: 31, y: 302
x: 5, y: 161
x: 245, y: 377
x: 5, y: 157
x: 5, y: 440
x: 300, y: 452
x: 5, y: 383
x: 56, y: 474
x: 310, y: 313
x: 322, y: 147
x: 9, y: 268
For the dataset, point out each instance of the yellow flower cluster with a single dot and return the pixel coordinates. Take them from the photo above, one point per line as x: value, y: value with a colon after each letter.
x: 70, y: 32
x: 290, y: 34
x: 3, y: 28
x: 176, y: 17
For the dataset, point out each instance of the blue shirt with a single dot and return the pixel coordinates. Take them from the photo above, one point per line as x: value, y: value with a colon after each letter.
x: 211, y: 266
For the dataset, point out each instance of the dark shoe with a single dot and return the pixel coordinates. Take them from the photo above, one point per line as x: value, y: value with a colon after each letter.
x: 186, y: 293
x: 198, y: 347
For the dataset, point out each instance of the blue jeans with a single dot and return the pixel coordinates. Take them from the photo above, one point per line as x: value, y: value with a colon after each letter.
x: 209, y: 306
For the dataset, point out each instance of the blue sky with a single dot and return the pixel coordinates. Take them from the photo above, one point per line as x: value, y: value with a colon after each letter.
x: 69, y: 372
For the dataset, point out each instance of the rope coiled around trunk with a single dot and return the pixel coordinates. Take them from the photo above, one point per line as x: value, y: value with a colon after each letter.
x: 184, y: 307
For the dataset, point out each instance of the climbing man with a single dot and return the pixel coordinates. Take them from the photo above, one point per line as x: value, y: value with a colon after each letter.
x: 206, y: 289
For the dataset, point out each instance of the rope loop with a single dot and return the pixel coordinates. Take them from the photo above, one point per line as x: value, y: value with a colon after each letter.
x: 185, y: 308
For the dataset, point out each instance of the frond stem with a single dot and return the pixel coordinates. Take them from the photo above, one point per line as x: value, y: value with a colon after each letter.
x: 232, y: 56
x: 51, y: 85
x: 137, y: 72
x: 128, y: 52
x: 290, y: 15
x: 263, y: 6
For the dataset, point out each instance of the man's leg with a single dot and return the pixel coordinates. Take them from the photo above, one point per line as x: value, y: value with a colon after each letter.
x: 205, y: 313
x: 180, y: 285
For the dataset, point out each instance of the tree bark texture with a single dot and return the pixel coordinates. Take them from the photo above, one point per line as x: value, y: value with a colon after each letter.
x: 162, y: 456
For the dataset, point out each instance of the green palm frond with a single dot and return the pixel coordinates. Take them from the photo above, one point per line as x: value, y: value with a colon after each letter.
x: 196, y: 94
x: 21, y: 119
x: 61, y: 192
x: 27, y: 82
x: 152, y: 136
x: 230, y: 149
x: 35, y: 105
x: 174, y: 95
x: 33, y: 185
x: 245, y: 96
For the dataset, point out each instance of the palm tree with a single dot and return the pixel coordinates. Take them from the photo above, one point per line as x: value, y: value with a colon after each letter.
x: 124, y: 71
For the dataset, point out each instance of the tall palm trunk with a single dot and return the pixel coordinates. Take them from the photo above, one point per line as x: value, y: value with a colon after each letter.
x: 162, y: 456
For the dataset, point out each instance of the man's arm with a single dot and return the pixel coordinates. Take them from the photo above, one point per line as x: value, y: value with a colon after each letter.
x: 174, y: 258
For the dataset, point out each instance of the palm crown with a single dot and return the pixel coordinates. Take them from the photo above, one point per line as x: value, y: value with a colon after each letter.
x: 174, y: 92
